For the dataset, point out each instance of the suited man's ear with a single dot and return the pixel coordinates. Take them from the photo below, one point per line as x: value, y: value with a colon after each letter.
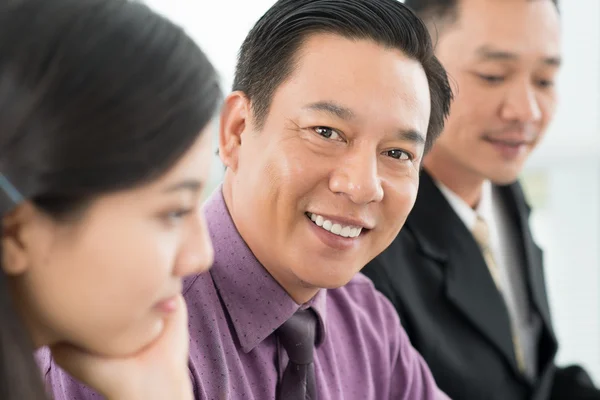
x: 234, y: 123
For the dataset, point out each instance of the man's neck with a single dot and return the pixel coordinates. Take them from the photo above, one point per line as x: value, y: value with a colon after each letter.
x: 299, y: 291
x: 465, y: 184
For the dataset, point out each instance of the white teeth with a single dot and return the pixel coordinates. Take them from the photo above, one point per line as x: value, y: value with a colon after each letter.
x: 335, y: 228
x: 320, y: 220
x: 346, y: 231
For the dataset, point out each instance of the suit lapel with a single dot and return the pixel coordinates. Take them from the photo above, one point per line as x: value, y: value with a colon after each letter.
x: 469, y: 286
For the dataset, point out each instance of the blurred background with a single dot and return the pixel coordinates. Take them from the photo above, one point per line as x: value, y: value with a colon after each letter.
x: 562, y: 178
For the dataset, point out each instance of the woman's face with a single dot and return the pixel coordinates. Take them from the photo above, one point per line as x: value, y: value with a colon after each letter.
x: 105, y: 282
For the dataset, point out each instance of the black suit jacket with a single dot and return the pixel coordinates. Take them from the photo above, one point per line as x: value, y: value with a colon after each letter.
x: 435, y: 275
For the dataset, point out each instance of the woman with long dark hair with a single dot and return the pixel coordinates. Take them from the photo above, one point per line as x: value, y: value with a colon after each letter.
x: 103, y: 105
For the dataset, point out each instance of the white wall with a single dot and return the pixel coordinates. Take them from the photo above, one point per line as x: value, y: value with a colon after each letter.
x: 219, y: 27
x: 566, y: 219
x: 567, y: 226
x: 563, y: 176
x: 575, y: 131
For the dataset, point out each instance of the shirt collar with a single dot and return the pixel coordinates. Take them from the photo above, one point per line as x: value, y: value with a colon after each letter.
x: 485, y: 208
x: 242, y: 282
x: 469, y: 216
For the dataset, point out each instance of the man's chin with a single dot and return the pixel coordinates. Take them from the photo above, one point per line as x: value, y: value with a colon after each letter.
x: 505, y: 177
x: 323, y: 280
x: 499, y: 173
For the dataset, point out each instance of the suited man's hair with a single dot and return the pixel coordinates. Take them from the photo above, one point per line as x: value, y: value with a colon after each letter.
x: 270, y: 51
x: 439, y: 14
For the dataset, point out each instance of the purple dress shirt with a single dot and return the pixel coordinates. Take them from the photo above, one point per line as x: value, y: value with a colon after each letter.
x: 362, y: 352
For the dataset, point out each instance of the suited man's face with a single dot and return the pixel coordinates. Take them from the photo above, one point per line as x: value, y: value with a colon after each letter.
x: 502, y: 57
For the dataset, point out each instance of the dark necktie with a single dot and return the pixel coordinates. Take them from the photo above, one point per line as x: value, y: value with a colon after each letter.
x: 297, y: 336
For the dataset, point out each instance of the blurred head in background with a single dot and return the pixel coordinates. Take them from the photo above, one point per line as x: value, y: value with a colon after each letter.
x: 104, y: 107
x: 502, y: 58
x: 334, y: 105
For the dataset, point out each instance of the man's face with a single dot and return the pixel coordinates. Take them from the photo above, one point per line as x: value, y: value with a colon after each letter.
x: 329, y: 180
x: 503, y: 56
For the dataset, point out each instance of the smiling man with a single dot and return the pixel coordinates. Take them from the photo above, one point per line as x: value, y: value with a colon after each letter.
x: 322, y: 182
x: 334, y: 105
x: 464, y: 273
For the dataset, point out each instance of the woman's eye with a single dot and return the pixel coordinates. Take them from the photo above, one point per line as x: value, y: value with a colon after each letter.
x: 399, y: 154
x: 327, y: 133
x: 177, y: 215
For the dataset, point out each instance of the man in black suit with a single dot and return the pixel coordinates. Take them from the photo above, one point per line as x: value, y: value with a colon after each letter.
x: 465, y: 273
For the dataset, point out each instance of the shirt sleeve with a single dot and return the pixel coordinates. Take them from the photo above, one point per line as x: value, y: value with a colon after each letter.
x: 59, y: 384
x: 411, y: 377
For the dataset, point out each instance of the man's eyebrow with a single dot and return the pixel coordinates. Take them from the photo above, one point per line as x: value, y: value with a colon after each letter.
x: 345, y: 113
x: 555, y: 61
x: 489, y: 53
x: 411, y: 135
x: 332, y: 108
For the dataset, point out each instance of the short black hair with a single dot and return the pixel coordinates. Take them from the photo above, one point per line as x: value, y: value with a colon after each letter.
x: 267, y: 56
x: 434, y: 10
x: 440, y: 12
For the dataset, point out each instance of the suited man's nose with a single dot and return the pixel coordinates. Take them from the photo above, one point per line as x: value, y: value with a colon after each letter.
x: 522, y: 105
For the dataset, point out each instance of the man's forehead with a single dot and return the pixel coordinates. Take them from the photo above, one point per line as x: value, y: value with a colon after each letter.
x: 506, y: 14
x: 494, y: 30
x: 471, y: 4
x: 332, y: 65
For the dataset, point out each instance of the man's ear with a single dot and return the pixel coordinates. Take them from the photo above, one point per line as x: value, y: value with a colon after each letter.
x: 16, y: 257
x: 234, y: 122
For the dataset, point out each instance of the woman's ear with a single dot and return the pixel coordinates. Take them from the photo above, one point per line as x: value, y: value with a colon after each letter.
x: 234, y: 122
x: 16, y: 257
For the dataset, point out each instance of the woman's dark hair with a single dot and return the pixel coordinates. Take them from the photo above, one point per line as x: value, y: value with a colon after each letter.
x: 96, y: 96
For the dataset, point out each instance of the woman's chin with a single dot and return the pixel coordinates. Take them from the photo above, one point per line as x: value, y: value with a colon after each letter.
x: 128, y: 344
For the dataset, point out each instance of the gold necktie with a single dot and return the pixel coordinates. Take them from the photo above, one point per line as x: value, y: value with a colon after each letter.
x: 482, y: 237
